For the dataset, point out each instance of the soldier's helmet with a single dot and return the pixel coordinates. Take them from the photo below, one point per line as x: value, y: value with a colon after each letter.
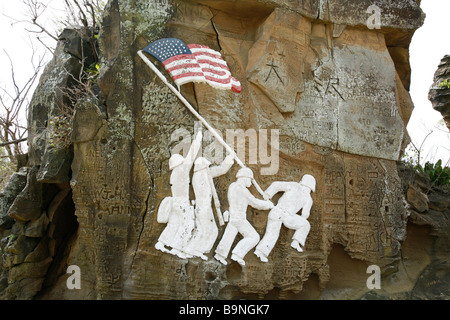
x: 201, y: 163
x: 244, y: 173
x: 175, y: 160
x: 309, y: 181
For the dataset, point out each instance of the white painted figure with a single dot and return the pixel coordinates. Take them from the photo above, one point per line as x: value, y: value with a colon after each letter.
x: 239, y: 198
x: 296, y: 197
x: 206, y: 231
x: 176, y: 210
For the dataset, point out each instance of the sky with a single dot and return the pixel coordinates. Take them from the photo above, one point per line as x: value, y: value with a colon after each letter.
x: 429, y: 45
x: 19, y: 44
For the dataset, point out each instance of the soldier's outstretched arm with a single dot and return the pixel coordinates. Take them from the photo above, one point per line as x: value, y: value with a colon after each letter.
x: 259, y: 204
x: 193, y: 150
x: 278, y: 186
x: 223, y: 167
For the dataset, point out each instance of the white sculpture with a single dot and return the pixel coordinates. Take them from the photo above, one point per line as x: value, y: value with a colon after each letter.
x: 176, y: 211
x: 192, y: 233
x: 296, y: 197
x: 239, y: 198
x: 206, y: 231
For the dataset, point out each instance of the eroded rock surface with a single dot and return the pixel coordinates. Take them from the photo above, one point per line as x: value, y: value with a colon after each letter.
x: 439, y: 94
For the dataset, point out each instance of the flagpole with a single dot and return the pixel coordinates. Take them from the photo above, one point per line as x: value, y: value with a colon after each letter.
x: 197, y: 115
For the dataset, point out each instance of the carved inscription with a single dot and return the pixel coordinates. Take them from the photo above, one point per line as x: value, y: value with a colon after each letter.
x: 273, y: 71
x: 351, y: 106
x: 362, y: 200
x: 291, y: 272
x: 291, y: 146
x: 279, y: 67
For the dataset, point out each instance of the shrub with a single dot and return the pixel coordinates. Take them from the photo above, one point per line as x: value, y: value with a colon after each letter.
x: 440, y: 176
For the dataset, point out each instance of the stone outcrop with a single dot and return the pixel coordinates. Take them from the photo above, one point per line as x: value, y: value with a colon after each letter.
x: 37, y: 217
x: 439, y: 94
x: 336, y: 91
x: 425, y: 250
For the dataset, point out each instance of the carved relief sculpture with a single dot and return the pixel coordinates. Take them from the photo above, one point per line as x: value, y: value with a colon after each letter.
x: 206, y: 231
x: 239, y: 198
x: 296, y: 197
x: 180, y: 219
x: 194, y: 234
x: 333, y: 92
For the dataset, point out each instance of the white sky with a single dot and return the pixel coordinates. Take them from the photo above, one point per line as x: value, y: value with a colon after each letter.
x: 429, y: 45
x: 19, y: 43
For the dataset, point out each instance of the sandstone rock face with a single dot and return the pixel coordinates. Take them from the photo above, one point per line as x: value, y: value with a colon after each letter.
x: 313, y: 74
x: 439, y: 94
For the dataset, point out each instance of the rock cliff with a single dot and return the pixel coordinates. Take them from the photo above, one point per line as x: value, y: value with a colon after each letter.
x: 439, y: 93
x: 324, y: 93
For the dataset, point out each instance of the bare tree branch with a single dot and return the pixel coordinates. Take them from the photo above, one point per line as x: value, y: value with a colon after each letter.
x: 12, y: 142
x: 82, y: 15
x: 33, y: 7
x: 14, y: 103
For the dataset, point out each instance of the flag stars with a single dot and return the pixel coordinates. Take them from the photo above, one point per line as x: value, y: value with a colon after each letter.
x: 166, y: 48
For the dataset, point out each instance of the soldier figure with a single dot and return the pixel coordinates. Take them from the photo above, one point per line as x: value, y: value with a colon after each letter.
x: 296, y: 197
x: 176, y: 211
x: 206, y: 231
x: 239, y: 198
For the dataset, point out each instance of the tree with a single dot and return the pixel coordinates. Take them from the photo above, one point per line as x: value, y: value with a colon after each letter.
x: 14, y: 100
x: 437, y: 170
x: 84, y: 16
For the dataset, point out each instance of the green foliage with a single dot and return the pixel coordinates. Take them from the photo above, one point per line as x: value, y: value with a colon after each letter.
x: 60, y: 131
x: 411, y: 157
x: 91, y: 73
x: 93, y: 69
x: 440, y: 176
x: 12, y: 237
x: 445, y: 83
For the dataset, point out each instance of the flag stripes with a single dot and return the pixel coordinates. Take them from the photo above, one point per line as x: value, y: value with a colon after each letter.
x: 193, y: 63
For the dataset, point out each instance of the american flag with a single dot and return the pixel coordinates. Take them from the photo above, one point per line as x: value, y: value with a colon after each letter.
x: 193, y: 63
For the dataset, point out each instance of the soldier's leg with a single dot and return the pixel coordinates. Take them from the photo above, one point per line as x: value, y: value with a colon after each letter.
x: 250, y: 240
x: 302, y: 232
x: 224, y: 246
x: 267, y: 243
x: 301, y: 227
x: 184, y: 232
